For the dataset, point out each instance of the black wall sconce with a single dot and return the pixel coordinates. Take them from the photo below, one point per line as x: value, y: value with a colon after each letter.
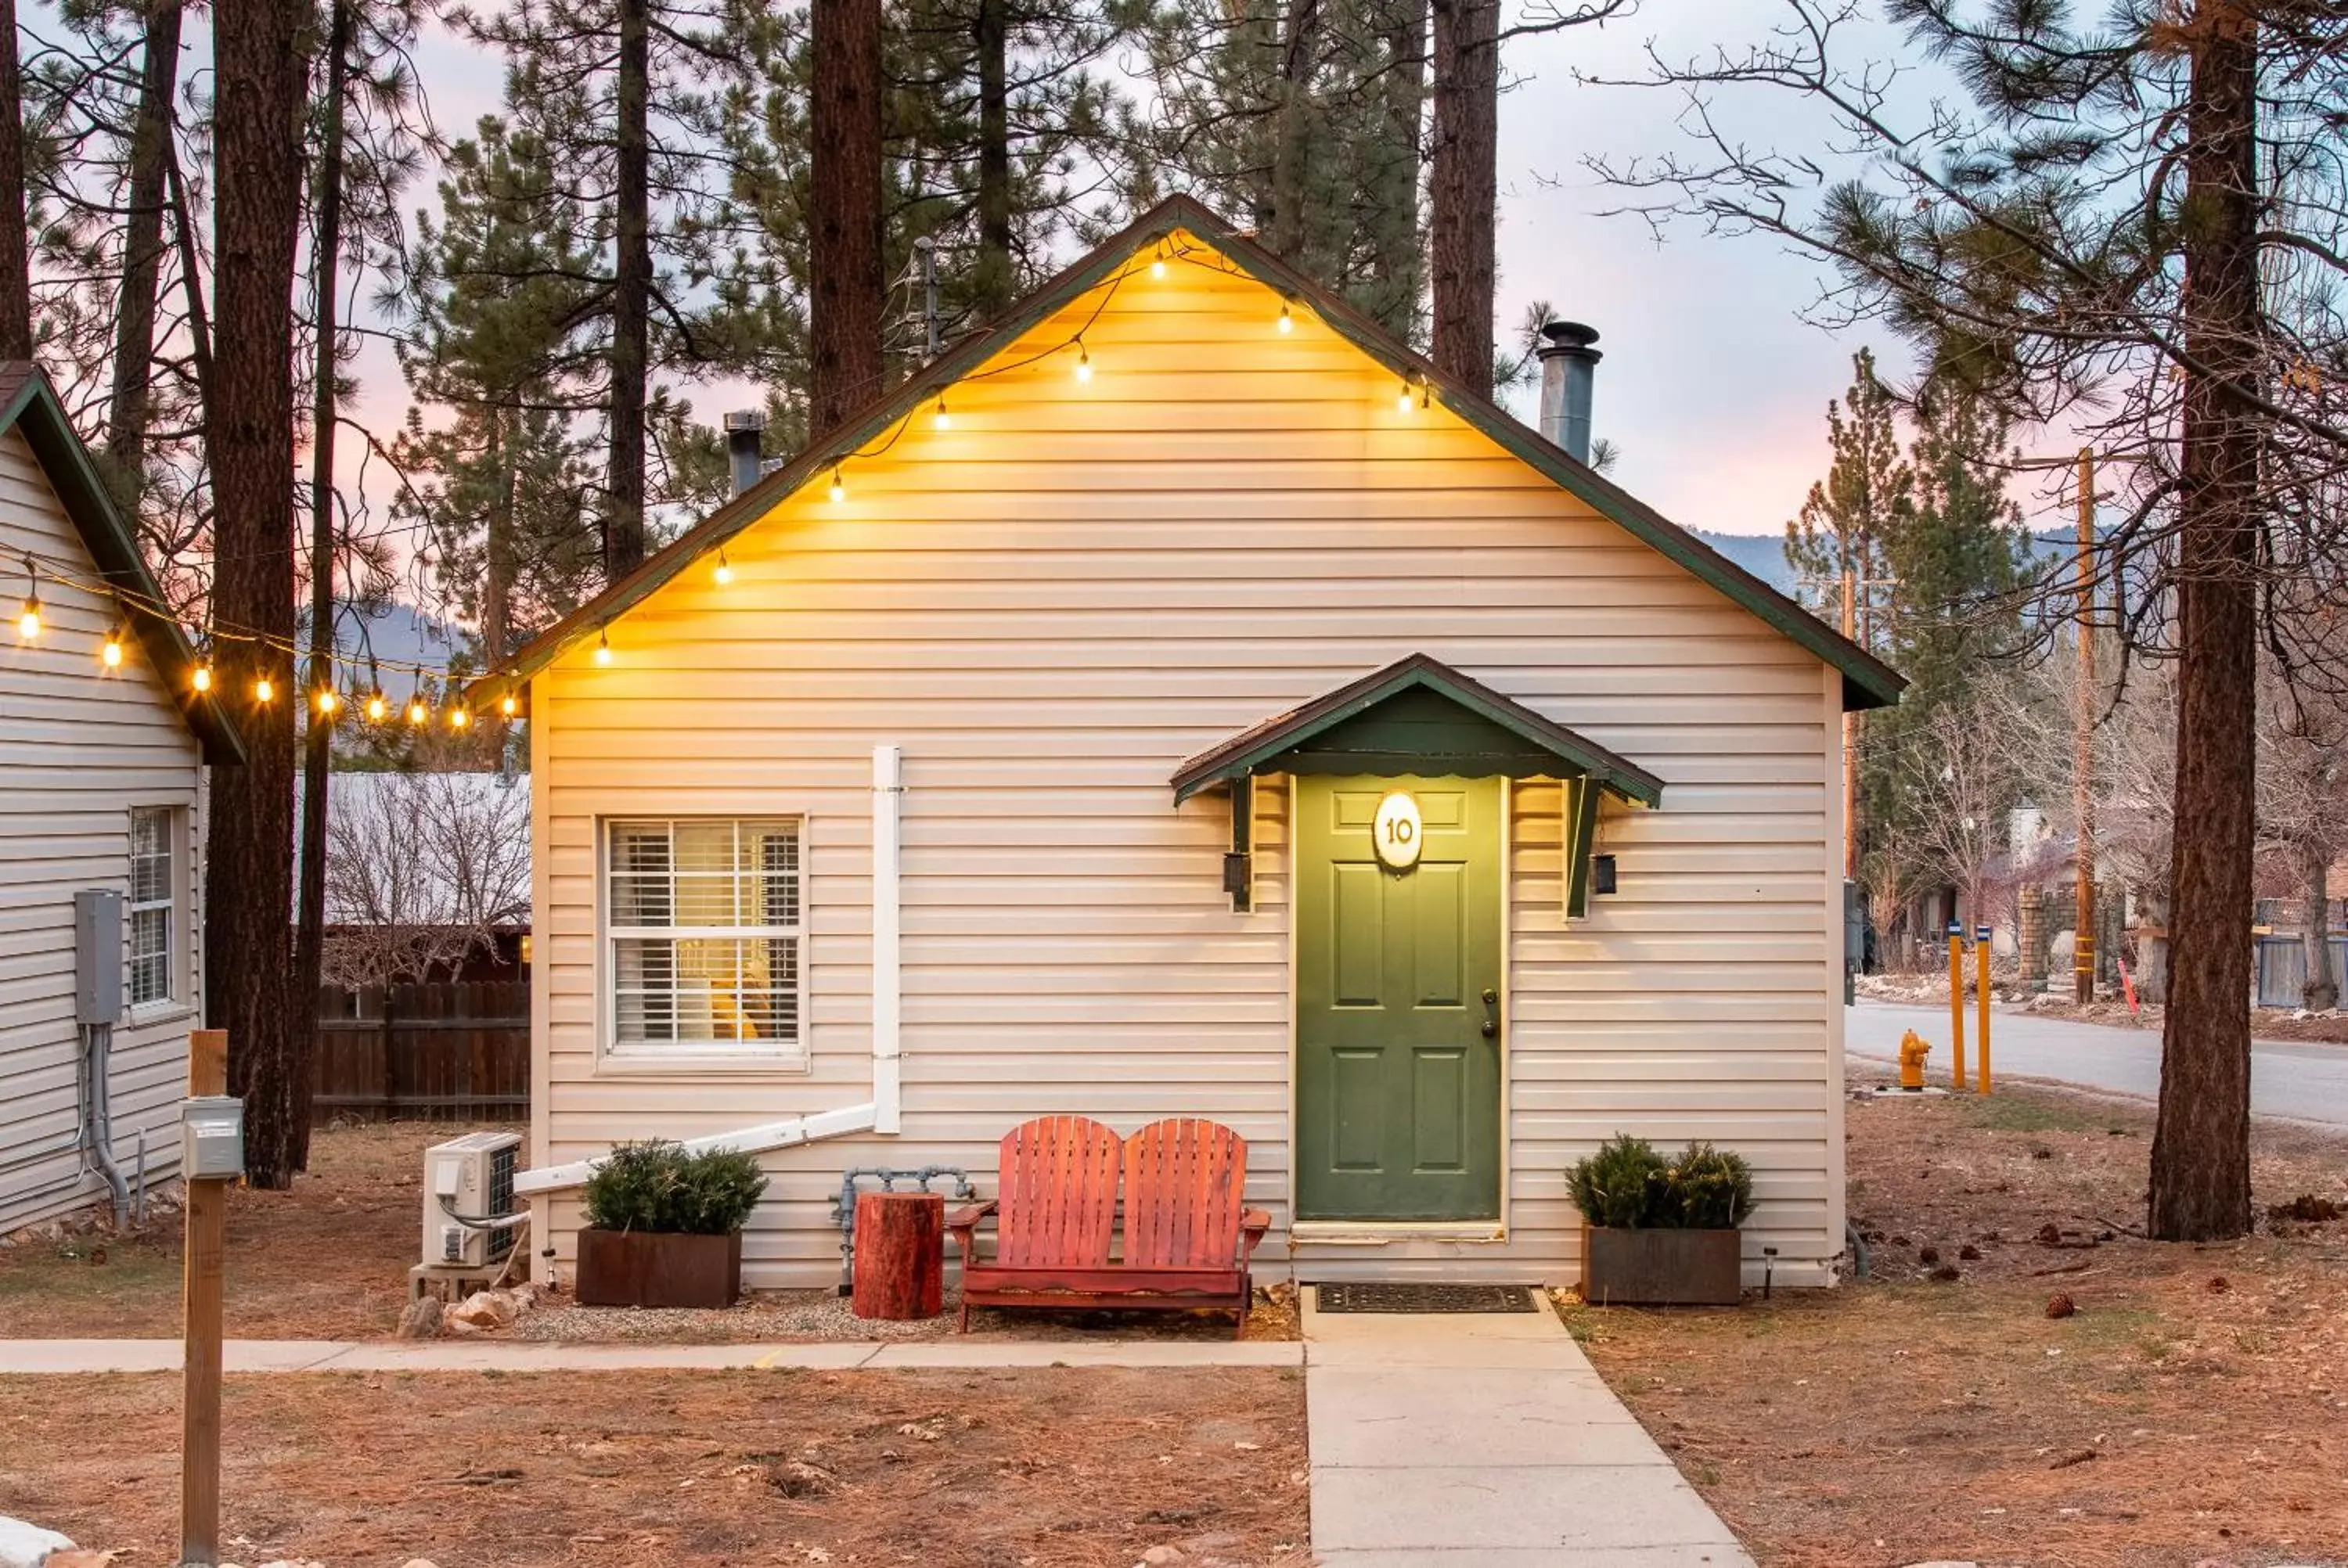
x: 1601, y: 874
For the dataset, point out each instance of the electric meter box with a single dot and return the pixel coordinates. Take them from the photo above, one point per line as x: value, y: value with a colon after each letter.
x: 212, y: 1137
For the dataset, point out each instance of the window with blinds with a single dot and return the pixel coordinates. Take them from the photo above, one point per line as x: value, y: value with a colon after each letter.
x: 703, y: 922
x: 152, y: 905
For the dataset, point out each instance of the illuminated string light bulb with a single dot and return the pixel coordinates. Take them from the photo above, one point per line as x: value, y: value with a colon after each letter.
x: 1084, y: 362
x: 941, y: 419
x: 1287, y: 323
x: 1405, y: 398
x: 328, y: 702
x: 110, y: 653
x: 603, y: 649
x: 509, y: 704
x: 264, y: 689
x: 28, y: 619
x: 458, y: 718
x: 1157, y: 262
x: 839, y: 487
x: 416, y: 711
x: 724, y: 573
x: 377, y: 707
x: 202, y: 678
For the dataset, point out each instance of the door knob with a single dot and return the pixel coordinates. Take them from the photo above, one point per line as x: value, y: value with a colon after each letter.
x: 1491, y: 1029
x: 1490, y: 996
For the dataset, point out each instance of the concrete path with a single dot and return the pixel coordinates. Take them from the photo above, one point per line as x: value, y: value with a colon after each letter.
x: 2290, y: 1082
x: 1446, y: 1441
x: 84, y: 1356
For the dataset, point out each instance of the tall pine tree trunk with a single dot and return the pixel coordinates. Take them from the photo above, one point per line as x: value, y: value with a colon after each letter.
x: 2201, y: 1188
x: 632, y: 294
x: 497, y: 587
x: 317, y: 754
x: 2322, y: 991
x: 1464, y: 186
x: 260, y: 82
x: 192, y: 274
x: 1398, y: 259
x: 143, y: 248
x: 1286, y: 232
x: 845, y: 279
x: 993, y: 285
x: 16, y: 245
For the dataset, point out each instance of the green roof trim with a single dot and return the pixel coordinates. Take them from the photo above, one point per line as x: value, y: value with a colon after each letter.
x: 1416, y: 715
x: 29, y: 404
x: 1867, y: 681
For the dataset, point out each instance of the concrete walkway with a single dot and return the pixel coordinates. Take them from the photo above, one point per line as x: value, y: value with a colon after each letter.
x: 1443, y: 1441
x: 56, y: 1356
x: 2289, y: 1081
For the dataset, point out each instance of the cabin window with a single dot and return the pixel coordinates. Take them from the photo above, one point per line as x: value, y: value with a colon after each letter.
x: 153, y: 908
x: 703, y: 918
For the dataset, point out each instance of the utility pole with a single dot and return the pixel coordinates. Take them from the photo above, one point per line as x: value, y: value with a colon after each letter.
x: 1850, y: 737
x: 2084, y: 738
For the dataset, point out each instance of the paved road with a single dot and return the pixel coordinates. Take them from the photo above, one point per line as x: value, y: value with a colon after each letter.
x: 2297, y: 1082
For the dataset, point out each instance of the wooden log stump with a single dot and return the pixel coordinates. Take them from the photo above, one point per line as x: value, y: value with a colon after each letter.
x: 900, y: 1254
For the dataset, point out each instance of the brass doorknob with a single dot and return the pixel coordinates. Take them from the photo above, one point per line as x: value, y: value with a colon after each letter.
x: 1490, y: 996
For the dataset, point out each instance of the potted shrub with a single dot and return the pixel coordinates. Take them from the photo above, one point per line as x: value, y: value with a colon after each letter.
x: 1662, y: 1233
x: 664, y: 1226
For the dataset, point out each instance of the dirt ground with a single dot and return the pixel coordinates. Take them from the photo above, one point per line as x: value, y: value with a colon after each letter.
x: 329, y: 1260
x: 2191, y: 1409
x: 1059, y: 1467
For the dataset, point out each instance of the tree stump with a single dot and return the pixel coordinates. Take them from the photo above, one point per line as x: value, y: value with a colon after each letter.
x: 900, y: 1254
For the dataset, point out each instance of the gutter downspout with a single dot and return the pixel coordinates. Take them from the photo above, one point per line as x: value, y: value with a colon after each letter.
x: 880, y: 1114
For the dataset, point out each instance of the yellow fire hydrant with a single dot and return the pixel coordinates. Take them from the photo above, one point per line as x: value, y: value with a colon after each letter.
x: 1914, y: 1049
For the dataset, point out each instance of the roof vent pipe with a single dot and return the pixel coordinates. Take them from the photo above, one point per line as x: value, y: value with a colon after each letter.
x: 1568, y: 366
x: 743, y: 429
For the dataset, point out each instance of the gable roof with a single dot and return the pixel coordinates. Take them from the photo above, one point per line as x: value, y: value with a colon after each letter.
x: 1526, y: 743
x: 29, y: 404
x: 1867, y: 681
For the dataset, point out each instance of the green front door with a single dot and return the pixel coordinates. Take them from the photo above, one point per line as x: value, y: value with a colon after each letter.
x: 1397, y: 1003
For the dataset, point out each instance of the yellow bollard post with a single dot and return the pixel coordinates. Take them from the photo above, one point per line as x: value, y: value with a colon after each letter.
x: 1981, y: 967
x: 1956, y: 1005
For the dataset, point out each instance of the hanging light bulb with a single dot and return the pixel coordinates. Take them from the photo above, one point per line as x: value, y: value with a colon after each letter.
x: 941, y: 419
x: 603, y: 649
x: 839, y: 487
x: 28, y: 619
x: 509, y: 704
x: 202, y: 678
x: 1287, y: 323
x: 110, y: 653
x: 377, y: 707
x: 264, y: 689
x: 416, y: 711
x: 328, y: 702
x: 458, y: 718
x: 1402, y: 400
x: 724, y: 573
x: 1157, y: 263
x: 1084, y: 362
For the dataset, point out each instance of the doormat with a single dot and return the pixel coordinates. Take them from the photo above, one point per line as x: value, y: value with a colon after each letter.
x: 1423, y: 1298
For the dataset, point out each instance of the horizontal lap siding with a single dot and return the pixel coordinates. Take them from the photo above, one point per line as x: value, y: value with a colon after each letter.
x: 1051, y: 605
x: 80, y: 747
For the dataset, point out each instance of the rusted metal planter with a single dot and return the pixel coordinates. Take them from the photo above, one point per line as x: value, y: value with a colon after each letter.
x: 1661, y: 1268
x: 645, y: 1268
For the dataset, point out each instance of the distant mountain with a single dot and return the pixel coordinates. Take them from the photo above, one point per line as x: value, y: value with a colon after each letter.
x: 397, y: 636
x: 1762, y: 555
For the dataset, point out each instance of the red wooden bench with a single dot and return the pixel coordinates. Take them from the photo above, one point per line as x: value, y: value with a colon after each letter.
x: 1187, y: 1239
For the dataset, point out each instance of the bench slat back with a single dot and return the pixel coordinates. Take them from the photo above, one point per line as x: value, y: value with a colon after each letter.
x: 1057, y: 1182
x: 1184, y: 1183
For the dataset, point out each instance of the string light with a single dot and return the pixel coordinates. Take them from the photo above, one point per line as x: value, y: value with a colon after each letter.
x: 1157, y: 262
x: 724, y: 573
x: 29, y: 621
x: 416, y: 711
x: 202, y: 678
x: 110, y: 655
x: 328, y: 702
x: 377, y: 707
x: 509, y: 705
x: 458, y: 718
x: 941, y: 419
x: 264, y: 689
x: 1286, y: 322
x: 1403, y: 399
x: 1084, y: 362
x: 839, y: 487
x: 602, y: 648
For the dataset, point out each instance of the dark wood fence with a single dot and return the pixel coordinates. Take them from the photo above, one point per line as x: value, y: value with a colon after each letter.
x: 431, y: 1050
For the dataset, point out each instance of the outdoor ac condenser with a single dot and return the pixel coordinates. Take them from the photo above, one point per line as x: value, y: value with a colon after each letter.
x: 472, y: 1176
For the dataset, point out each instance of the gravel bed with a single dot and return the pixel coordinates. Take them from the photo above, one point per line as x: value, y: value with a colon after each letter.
x: 822, y: 1314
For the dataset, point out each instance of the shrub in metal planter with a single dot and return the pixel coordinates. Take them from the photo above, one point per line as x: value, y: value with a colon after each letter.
x: 664, y: 1226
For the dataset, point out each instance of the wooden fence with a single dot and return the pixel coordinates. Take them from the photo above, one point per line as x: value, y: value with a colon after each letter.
x: 431, y: 1050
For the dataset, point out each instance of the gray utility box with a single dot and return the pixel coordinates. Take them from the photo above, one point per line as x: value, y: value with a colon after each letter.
x: 212, y: 1137
x: 98, y: 955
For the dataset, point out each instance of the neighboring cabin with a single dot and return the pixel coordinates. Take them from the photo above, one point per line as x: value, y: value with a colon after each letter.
x: 1027, y: 756
x: 101, y: 786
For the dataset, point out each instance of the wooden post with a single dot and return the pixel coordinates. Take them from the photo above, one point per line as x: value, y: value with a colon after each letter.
x: 900, y: 1254
x: 1980, y: 965
x: 2082, y: 767
x: 207, y: 1225
x: 1956, y: 1005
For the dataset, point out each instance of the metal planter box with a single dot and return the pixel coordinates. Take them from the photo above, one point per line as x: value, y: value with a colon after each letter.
x: 644, y: 1269
x: 1661, y: 1268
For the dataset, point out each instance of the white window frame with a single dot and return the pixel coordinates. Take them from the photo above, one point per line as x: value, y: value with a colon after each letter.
x: 174, y: 944
x: 650, y: 1056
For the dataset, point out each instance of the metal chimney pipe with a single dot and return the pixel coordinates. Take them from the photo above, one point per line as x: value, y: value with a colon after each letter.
x: 1569, y: 367
x: 743, y: 429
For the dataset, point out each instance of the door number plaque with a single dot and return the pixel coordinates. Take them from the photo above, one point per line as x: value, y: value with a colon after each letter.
x: 1396, y: 831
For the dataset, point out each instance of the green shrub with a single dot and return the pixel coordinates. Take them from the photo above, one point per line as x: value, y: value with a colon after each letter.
x: 1626, y: 1185
x: 657, y: 1186
x: 1715, y: 1188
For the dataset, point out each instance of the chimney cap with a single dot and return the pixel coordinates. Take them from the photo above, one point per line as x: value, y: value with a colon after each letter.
x: 1570, y: 338
x: 746, y: 419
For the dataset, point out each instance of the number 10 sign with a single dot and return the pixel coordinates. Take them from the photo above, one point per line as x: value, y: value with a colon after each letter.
x: 1396, y: 831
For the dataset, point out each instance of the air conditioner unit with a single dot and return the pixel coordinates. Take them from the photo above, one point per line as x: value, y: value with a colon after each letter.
x: 472, y: 1176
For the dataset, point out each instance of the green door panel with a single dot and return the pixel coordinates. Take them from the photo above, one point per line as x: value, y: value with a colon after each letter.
x: 1398, y: 1086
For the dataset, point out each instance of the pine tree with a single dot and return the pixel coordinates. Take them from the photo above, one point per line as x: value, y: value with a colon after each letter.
x: 1845, y: 524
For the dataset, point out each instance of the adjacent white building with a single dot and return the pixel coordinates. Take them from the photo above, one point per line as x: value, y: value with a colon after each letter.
x: 103, y: 752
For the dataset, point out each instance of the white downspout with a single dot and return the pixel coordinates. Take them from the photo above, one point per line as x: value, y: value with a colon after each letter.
x: 888, y: 803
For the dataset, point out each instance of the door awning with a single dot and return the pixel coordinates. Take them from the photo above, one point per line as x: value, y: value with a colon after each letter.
x: 1417, y: 716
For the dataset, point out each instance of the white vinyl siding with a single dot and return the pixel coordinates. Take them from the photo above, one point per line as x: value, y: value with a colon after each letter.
x: 703, y: 918
x: 82, y: 748
x: 1051, y: 604
x: 152, y: 909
